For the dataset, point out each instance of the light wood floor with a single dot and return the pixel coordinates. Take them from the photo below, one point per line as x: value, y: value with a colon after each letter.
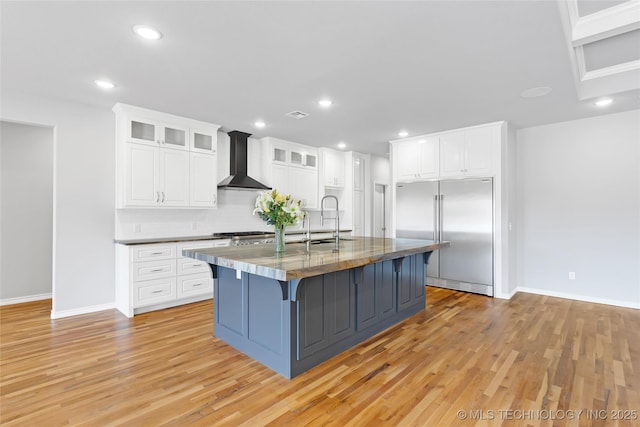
x: 465, y: 352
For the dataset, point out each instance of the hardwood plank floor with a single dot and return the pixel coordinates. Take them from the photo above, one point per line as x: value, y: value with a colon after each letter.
x: 533, y: 360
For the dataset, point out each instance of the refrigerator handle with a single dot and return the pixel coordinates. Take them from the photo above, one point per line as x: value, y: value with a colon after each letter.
x: 440, y: 203
x: 435, y: 218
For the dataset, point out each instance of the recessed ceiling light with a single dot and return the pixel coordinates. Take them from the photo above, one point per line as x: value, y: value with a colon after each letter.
x: 536, y: 92
x: 326, y: 103
x: 259, y: 124
x: 403, y: 133
x: 341, y: 145
x: 604, y: 102
x: 104, y: 84
x: 147, y: 32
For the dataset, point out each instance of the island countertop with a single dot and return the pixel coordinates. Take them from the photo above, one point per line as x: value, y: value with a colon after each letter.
x: 296, y: 263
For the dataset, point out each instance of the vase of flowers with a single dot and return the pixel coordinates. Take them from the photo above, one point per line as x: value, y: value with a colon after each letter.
x: 279, y: 210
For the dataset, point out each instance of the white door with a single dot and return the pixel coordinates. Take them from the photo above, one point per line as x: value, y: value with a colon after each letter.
x: 203, y: 172
x: 141, y: 175
x: 174, y: 178
x: 379, y: 211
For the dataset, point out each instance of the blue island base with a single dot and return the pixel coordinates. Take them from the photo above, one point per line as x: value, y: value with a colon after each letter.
x: 295, y: 325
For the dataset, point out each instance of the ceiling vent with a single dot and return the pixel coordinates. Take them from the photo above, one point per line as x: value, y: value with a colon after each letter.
x: 297, y: 114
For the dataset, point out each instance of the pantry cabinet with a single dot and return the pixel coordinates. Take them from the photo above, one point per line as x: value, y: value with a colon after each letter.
x: 164, y: 160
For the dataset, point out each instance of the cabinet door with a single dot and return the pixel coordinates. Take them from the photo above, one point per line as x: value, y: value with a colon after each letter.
x: 428, y: 157
x: 358, y: 213
x: 174, y: 178
x: 304, y: 186
x: 333, y: 168
x: 203, y: 188
x: 358, y: 173
x: 406, y: 161
x: 141, y: 175
x: 142, y: 131
x: 204, y: 141
x: 452, y: 154
x: 194, y: 284
x: 478, y: 144
x: 280, y: 178
x: 174, y: 136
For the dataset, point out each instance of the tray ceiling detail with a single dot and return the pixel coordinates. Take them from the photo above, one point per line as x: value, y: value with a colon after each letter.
x: 604, y: 45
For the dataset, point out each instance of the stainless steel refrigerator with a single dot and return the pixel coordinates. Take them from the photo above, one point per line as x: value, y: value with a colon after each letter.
x: 461, y: 212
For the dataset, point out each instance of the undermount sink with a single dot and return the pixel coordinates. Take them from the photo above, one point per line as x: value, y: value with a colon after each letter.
x: 329, y: 240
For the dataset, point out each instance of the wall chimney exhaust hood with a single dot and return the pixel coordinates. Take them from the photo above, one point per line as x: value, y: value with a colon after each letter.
x: 238, y: 178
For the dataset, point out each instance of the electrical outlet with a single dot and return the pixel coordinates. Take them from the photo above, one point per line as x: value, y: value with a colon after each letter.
x: 572, y: 275
x: 137, y: 228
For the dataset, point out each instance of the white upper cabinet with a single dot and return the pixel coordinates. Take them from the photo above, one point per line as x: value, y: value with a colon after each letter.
x: 292, y: 168
x: 466, y: 153
x: 333, y: 168
x: 160, y: 160
x: 204, y: 186
x: 142, y: 177
x: 204, y: 141
x: 153, y: 132
x: 453, y: 154
x: 417, y: 159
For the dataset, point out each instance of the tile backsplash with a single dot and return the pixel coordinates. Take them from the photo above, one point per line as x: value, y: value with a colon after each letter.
x: 234, y: 213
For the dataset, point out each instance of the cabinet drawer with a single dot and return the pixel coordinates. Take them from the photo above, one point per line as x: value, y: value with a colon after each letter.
x: 153, y: 252
x: 192, y: 266
x: 153, y: 270
x: 193, y: 245
x: 195, y: 284
x: 154, y: 291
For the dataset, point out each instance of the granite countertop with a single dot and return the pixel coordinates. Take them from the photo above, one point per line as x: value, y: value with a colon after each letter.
x: 296, y: 263
x: 149, y: 240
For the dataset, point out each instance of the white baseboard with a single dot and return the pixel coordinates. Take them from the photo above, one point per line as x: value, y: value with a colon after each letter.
x: 20, y: 300
x: 82, y: 310
x: 545, y: 292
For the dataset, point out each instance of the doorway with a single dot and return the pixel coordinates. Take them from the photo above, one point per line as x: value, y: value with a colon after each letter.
x: 380, y: 210
x: 26, y: 212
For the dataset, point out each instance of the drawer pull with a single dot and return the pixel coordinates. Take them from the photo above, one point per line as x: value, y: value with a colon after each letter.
x: 155, y: 270
x: 157, y: 292
x: 196, y: 264
x: 197, y: 284
x: 157, y: 253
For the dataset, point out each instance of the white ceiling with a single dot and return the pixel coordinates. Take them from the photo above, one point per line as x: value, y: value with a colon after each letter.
x: 420, y: 66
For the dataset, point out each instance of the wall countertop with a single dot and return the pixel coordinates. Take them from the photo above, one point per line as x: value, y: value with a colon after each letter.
x: 296, y: 263
x: 177, y: 239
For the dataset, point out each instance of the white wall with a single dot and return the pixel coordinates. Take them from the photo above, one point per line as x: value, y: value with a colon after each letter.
x: 579, y: 209
x: 27, y: 212
x: 84, y: 194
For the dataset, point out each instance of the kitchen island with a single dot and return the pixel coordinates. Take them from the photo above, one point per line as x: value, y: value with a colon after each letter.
x: 294, y: 310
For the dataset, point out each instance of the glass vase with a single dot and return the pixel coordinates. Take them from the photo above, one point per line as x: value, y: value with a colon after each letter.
x: 279, y: 240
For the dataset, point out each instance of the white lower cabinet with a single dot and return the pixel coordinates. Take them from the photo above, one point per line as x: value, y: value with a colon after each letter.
x: 195, y: 284
x: 154, y: 291
x: 155, y: 276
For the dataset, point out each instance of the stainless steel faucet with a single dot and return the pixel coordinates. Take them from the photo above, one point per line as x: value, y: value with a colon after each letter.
x: 308, y: 234
x: 337, y: 219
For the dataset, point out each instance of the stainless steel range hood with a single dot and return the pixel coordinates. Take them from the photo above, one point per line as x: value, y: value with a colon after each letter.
x: 238, y: 178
